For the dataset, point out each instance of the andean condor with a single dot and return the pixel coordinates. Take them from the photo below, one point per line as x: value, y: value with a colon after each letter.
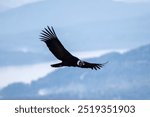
x: 67, y: 59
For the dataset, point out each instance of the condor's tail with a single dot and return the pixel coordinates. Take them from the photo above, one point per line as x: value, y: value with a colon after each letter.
x: 57, y: 65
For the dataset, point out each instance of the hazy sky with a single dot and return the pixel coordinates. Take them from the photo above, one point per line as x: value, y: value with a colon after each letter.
x: 7, y: 4
x: 132, y: 1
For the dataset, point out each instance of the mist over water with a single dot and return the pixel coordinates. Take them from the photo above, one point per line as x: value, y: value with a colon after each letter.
x: 28, y: 73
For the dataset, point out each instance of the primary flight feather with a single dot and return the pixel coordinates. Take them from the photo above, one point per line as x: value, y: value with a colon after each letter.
x: 49, y: 36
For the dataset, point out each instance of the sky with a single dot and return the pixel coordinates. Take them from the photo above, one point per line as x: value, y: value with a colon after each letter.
x: 8, y: 4
x: 132, y: 1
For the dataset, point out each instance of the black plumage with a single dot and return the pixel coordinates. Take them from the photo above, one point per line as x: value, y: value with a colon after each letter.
x: 67, y: 59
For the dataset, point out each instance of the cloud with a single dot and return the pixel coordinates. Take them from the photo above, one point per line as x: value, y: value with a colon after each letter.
x: 132, y: 1
x: 7, y: 4
x: 12, y: 74
x: 72, y: 88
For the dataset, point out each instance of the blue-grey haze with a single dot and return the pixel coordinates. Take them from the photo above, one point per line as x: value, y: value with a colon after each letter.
x: 81, y: 25
x: 126, y: 76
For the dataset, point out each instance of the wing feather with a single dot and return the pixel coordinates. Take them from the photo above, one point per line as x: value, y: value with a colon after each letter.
x: 53, y: 30
x: 93, y: 65
x: 50, y: 38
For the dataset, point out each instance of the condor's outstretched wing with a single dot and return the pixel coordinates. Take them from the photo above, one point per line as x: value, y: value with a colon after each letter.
x: 93, y: 65
x: 50, y: 38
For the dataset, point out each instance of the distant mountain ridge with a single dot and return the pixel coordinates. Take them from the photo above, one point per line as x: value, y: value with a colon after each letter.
x: 126, y: 76
x: 98, y: 21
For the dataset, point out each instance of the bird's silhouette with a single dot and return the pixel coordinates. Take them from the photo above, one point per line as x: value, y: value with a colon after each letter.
x: 67, y: 59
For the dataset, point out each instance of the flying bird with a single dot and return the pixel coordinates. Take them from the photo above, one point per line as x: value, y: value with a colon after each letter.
x: 49, y: 36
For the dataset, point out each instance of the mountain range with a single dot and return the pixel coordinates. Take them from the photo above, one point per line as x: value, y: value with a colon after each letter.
x: 126, y: 76
x: 90, y: 23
